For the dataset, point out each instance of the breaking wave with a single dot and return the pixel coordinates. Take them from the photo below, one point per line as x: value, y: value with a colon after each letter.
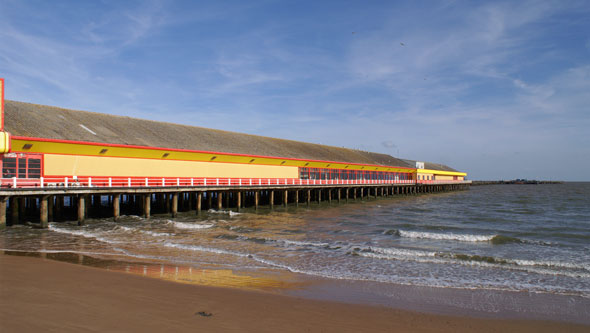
x: 494, y: 239
x: 185, y: 225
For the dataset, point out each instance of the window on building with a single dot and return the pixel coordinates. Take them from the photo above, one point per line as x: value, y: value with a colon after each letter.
x: 21, y: 166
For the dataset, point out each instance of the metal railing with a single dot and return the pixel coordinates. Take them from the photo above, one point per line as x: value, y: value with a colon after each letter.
x: 80, y: 181
x: 443, y: 182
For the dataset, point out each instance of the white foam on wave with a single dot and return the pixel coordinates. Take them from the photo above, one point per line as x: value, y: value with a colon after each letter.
x: 202, y: 249
x: 532, y: 266
x: 550, y: 264
x: 88, y: 253
x: 449, y: 236
x: 189, y: 226
x: 127, y: 229
x: 229, y: 212
x: 403, y: 252
x: 145, y: 232
x: 155, y: 233
x: 302, y: 243
x: 83, y: 233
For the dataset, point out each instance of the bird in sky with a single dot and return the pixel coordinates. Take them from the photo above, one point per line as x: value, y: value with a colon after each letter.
x: 402, y: 44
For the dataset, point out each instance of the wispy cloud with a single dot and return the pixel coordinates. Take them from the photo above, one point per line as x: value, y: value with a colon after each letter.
x: 463, y: 83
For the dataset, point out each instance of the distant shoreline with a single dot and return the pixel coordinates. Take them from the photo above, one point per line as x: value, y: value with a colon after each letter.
x: 514, y: 182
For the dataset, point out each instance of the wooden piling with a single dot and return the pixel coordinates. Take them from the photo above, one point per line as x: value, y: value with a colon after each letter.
x: 308, y: 197
x: 14, y: 210
x: 271, y: 198
x: 59, y: 205
x: 286, y: 198
x: 199, y: 199
x: 3, y: 204
x: 81, y: 209
x: 22, y: 210
x: 238, y: 200
x: 116, y: 207
x: 174, y: 205
x: 50, y: 205
x: 43, y: 212
x: 256, y: 199
x: 219, y: 200
x: 296, y: 198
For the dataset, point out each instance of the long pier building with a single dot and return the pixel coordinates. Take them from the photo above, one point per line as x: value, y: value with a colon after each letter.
x: 56, y: 160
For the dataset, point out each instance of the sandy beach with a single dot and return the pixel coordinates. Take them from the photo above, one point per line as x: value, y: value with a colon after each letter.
x: 46, y: 295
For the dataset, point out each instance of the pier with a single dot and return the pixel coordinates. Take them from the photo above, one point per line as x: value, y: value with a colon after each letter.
x: 59, y: 164
x: 41, y: 205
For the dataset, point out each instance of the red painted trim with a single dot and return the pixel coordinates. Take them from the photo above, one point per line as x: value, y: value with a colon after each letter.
x: 167, y: 159
x: 2, y: 102
x: 193, y: 151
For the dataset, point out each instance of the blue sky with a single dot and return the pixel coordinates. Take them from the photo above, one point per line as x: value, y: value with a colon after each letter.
x: 498, y: 89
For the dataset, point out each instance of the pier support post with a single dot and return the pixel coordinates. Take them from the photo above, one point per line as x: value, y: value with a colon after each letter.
x: 339, y: 195
x: 22, y: 212
x: 59, y: 205
x: 87, y: 205
x: 256, y: 199
x: 285, y: 198
x: 308, y: 197
x: 346, y: 194
x: 174, y: 206
x: 296, y: 198
x: 239, y: 200
x: 50, y: 208
x: 319, y: 196
x: 44, y: 211
x: 219, y: 200
x: 147, y: 205
x: 14, y: 210
x: 116, y: 207
x: 199, y: 199
x: 3, y: 201
x: 81, y: 209
x: 329, y: 195
x: 271, y: 199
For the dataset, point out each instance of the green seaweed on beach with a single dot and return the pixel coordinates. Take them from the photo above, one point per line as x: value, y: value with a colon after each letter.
x: 499, y: 239
x: 393, y: 232
x: 490, y: 260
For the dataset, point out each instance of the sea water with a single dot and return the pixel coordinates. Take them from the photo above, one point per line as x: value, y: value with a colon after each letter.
x: 489, y: 240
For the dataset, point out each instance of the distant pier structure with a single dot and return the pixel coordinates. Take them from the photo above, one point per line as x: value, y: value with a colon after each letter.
x: 60, y: 164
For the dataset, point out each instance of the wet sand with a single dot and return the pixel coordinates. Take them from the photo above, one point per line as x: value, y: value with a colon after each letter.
x: 45, y: 295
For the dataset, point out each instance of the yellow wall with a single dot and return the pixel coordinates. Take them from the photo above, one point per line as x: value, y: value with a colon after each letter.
x: 439, y: 173
x: 67, y: 148
x: 59, y: 165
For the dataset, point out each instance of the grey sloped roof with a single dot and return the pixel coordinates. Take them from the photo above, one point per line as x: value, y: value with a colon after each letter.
x: 32, y: 120
x: 430, y: 165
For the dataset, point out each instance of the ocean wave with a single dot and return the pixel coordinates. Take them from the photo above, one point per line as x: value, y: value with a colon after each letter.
x: 229, y: 212
x: 203, y: 249
x: 494, y: 239
x: 533, y: 266
x: 83, y: 233
x: 188, y: 226
x: 302, y: 243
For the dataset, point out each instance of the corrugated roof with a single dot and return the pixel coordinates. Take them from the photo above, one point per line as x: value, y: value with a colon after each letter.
x: 32, y: 120
x: 430, y: 165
